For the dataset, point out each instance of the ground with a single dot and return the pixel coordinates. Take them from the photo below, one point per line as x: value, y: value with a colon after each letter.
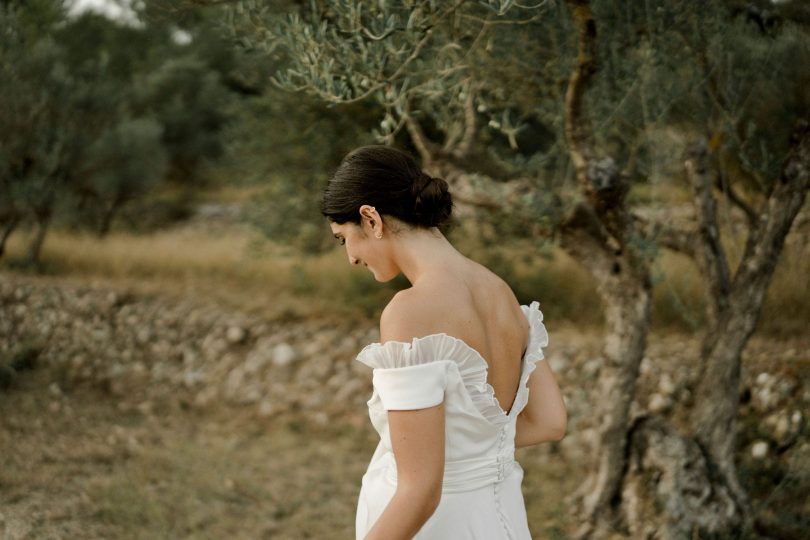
x: 84, y: 460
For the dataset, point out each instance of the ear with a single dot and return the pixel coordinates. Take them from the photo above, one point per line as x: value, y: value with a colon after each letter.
x: 370, y: 213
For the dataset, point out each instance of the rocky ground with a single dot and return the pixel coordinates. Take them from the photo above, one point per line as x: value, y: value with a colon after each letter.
x: 125, y: 413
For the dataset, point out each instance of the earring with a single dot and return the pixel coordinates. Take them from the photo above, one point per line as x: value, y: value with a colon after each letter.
x: 378, y: 235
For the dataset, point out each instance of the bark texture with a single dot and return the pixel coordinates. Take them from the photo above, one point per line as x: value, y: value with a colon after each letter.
x: 626, y: 297
x: 737, y: 312
x: 671, y: 489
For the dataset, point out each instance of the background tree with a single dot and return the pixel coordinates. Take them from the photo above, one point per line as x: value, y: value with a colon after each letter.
x: 98, y: 113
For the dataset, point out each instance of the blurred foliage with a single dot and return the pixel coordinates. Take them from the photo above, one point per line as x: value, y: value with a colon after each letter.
x: 97, y: 113
x: 289, y: 144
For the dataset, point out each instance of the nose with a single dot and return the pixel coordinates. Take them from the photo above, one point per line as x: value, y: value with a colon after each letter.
x: 352, y: 260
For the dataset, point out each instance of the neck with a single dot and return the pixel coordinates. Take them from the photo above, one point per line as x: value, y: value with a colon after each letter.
x: 423, y: 252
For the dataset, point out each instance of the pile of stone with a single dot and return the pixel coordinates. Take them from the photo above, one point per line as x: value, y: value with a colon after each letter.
x: 148, y: 348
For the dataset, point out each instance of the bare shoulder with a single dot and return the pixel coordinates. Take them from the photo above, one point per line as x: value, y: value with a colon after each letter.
x: 409, y: 314
x: 461, y: 304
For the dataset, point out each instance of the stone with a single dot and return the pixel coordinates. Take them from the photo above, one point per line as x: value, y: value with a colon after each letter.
x: 659, y: 403
x: 784, y: 426
x: 205, y: 397
x: 233, y: 384
x: 320, y: 418
x: 349, y: 389
x: 315, y: 400
x: 144, y: 336
x: 250, y: 395
x: 558, y: 363
x: 591, y: 368
x: 665, y: 385
x: 267, y: 408
x: 235, y: 335
x: 193, y: 378
x: 145, y: 407
x: 283, y: 354
x: 261, y: 355
x: 759, y: 450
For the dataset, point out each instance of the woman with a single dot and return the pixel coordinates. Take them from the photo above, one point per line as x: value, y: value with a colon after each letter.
x: 452, y: 395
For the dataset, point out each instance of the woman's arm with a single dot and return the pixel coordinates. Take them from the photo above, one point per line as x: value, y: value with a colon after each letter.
x: 417, y: 439
x: 544, y: 418
x: 417, y: 435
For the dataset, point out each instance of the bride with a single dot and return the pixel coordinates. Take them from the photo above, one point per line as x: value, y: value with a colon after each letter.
x: 459, y: 378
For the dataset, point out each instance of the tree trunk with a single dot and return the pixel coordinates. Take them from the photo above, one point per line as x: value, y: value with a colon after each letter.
x: 7, y: 230
x: 599, y: 236
x: 107, y: 217
x: 671, y: 489
x: 678, y: 486
x: 43, y: 222
x: 716, y: 398
x: 625, y: 291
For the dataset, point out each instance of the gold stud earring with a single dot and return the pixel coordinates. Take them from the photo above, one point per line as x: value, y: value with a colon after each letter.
x: 378, y: 235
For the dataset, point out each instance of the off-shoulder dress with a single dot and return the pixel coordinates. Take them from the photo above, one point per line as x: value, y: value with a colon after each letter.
x: 481, y: 494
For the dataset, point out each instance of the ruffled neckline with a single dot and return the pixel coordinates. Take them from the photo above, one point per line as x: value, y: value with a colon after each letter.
x: 472, y: 366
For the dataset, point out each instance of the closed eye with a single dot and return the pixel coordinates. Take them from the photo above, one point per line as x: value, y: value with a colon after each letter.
x: 342, y: 240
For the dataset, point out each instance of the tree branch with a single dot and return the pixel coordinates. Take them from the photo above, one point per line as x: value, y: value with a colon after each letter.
x: 786, y: 199
x: 734, y: 197
x: 470, y: 124
x: 428, y: 150
x: 666, y: 234
x: 710, y: 257
x: 576, y: 132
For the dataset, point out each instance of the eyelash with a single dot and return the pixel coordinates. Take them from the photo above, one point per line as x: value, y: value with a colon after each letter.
x: 342, y: 241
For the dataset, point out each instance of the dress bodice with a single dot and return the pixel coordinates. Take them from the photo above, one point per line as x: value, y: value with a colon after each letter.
x: 479, y: 434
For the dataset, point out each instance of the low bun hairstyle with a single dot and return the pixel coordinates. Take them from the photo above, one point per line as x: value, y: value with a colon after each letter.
x: 389, y: 180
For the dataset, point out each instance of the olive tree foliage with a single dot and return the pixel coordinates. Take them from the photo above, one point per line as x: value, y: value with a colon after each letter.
x: 486, y: 81
x: 411, y: 60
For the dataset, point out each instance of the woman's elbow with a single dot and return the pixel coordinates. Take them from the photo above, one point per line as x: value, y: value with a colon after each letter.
x: 434, y: 495
x: 424, y: 496
x: 433, y: 500
x: 558, y: 434
x: 561, y: 426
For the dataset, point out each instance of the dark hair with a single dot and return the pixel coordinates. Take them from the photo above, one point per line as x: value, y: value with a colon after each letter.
x: 389, y: 180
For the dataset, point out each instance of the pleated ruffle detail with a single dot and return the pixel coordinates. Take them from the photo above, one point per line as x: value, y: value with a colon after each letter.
x: 471, y: 365
x: 538, y: 339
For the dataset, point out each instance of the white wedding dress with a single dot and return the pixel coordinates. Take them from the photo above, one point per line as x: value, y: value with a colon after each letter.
x: 481, y: 495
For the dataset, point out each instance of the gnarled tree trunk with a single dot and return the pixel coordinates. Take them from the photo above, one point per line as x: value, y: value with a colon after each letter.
x: 738, y: 311
x: 625, y: 291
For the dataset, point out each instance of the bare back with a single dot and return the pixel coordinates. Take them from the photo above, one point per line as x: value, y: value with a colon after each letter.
x: 475, y: 305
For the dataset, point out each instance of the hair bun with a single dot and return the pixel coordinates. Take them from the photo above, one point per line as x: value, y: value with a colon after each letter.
x: 432, y: 203
x: 390, y: 180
